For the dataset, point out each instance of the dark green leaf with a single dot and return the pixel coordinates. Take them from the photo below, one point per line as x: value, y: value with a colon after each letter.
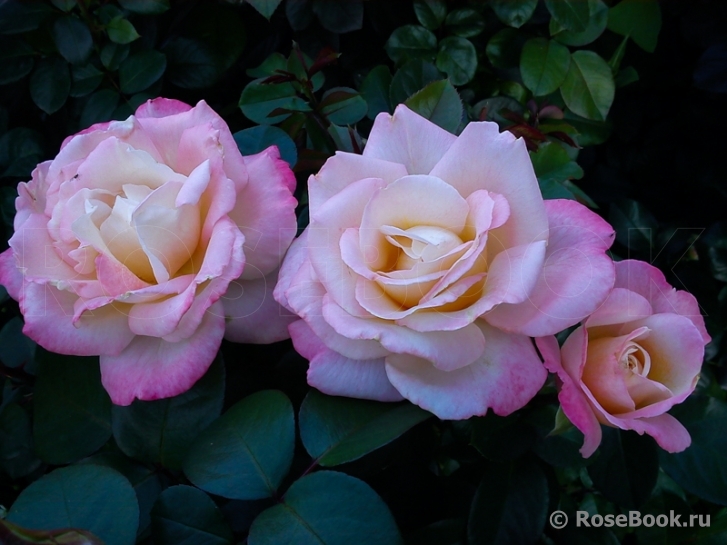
x: 72, y: 416
x: 121, y: 31
x: 256, y: 139
x: 343, y: 106
x: 457, y: 58
x: 572, y: 15
x: 635, y: 226
x: 492, y: 108
x: 73, y: 39
x: 501, y: 438
x: 296, y: 67
x: 510, y: 504
x: 345, y: 138
x: 431, y: 13
x: 89, y: 497
x: 16, y: 60
x: 327, y: 508
x: 259, y: 100
x: 184, y: 514
x: 64, y: 5
x: 339, y: 17
x: 702, y: 468
x: 590, y: 133
x: 626, y: 76
x: 151, y: 7
x: 440, y: 103
x: 191, y: 63
x: 553, y: 164
x: 99, y: 107
x: 17, y: 457
x: 514, y: 13
x: 12, y: 534
x: 411, y: 42
x: 375, y: 91
x: 504, y: 48
x: 465, y: 22
x: 336, y: 430
x: 86, y: 79
x: 141, y: 70
x: 266, y: 8
x: 276, y: 61
x: 598, y: 16
x: 588, y: 88
x: 20, y: 151
x: 638, y: 19
x: 160, y: 431
x: 543, y: 65
x: 17, y: 349
x: 220, y: 30
x: 410, y: 78
x: 17, y: 16
x: 626, y: 467
x: 50, y: 84
x: 246, y: 453
x: 112, y: 55
x: 299, y: 14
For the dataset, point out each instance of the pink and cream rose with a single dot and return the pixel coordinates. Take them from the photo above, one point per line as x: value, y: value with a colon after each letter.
x: 145, y: 241
x: 429, y: 261
x: 632, y: 360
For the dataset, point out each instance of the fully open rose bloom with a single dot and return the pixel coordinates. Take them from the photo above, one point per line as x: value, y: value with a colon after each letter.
x: 632, y: 360
x: 412, y: 242
x: 126, y: 243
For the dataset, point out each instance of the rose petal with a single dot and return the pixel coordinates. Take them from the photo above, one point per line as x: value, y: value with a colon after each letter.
x: 161, y: 107
x: 10, y: 277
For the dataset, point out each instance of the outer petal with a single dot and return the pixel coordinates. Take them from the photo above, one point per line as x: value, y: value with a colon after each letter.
x: 295, y: 258
x: 484, y: 158
x: 265, y: 212
x: 335, y: 374
x: 161, y: 107
x: 151, y: 368
x: 669, y: 433
x: 10, y: 276
x: 572, y: 400
x: 48, y: 314
x: 576, y: 277
x: 649, y: 282
x: 252, y: 315
x: 507, y: 375
x: 408, y: 139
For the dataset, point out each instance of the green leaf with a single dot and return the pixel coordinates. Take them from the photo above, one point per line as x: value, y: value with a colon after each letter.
x: 327, y: 508
x: 21, y: 149
x: 160, y: 431
x: 89, y: 497
x: 635, y: 226
x: 339, y: 17
x: 72, y: 411
x: 410, y: 78
x: 626, y: 467
x: 440, y: 103
x: 430, y: 13
x: 121, y: 31
x: 191, y: 63
x: 100, y: 107
x: 510, y: 504
x: 112, y: 55
x: 553, y: 164
x: 184, y: 514
x: 375, y: 91
x: 246, y: 453
x: 16, y: 60
x: 465, y: 22
x: 457, y: 58
x: 18, y: 350
x: 590, y: 133
x: 514, y: 13
x: 17, y: 456
x: 86, y: 78
x: 639, y: 19
x: 299, y: 14
x: 543, y: 65
x: 272, y: 63
x: 296, y: 67
x: 626, y: 76
x: 148, y: 7
x: 256, y: 139
x: 64, y: 5
x: 259, y: 100
x: 141, y: 70
x: 73, y: 39
x: 411, y: 42
x: 343, y: 106
x: 504, y: 48
x: 266, y: 8
x: 18, y: 16
x: 50, y: 84
x: 501, y: 438
x: 702, y: 468
x: 597, y: 19
x: 336, y: 430
x: 572, y: 15
x: 588, y: 88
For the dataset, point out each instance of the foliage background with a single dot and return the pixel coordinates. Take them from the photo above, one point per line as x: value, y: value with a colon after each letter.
x: 651, y: 161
